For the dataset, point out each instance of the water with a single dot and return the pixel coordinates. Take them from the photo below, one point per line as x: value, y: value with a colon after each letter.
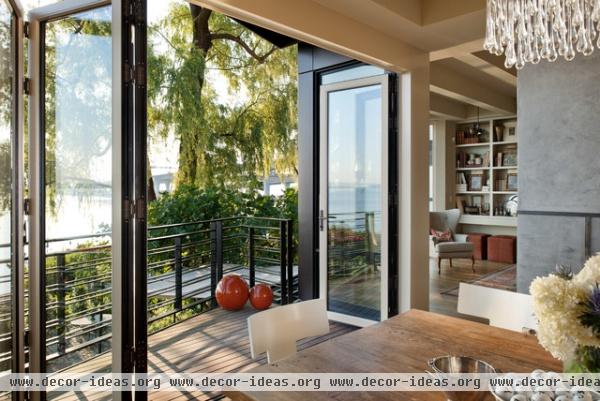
x: 74, y: 217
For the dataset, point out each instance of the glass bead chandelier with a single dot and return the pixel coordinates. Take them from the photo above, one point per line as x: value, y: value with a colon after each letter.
x: 527, y: 31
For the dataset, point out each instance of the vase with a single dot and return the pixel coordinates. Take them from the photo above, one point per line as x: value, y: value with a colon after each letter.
x: 585, y: 360
x: 499, y: 133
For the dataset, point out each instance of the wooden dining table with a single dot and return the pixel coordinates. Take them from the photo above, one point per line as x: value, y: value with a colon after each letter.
x: 404, y: 344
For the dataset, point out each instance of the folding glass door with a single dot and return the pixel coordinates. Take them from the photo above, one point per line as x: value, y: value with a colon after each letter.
x: 353, y: 199
x: 85, y: 149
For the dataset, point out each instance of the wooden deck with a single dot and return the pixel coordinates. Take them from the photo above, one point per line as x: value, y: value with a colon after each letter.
x: 216, y: 341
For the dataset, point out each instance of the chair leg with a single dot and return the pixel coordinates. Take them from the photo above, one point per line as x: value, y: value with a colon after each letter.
x: 439, y: 261
x: 450, y: 262
x: 473, y: 263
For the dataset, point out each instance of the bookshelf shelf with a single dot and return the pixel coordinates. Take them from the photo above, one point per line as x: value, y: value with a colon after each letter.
x: 473, y: 145
x: 497, y: 179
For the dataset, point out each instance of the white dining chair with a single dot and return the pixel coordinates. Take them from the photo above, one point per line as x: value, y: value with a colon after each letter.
x: 275, y: 331
x: 506, y: 309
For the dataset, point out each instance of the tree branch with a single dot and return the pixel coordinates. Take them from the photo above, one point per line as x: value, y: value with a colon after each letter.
x: 237, y: 39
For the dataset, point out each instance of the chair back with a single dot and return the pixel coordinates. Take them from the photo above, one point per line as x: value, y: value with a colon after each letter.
x: 505, y: 309
x: 275, y: 331
x: 441, y: 221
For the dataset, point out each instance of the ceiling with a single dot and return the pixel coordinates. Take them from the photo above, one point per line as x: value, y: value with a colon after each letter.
x: 452, y: 32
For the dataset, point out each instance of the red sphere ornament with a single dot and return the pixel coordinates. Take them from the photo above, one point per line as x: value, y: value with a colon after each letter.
x: 261, y: 296
x: 232, y: 292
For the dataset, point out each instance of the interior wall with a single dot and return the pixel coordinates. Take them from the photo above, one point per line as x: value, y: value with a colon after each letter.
x: 414, y: 187
x: 559, y: 143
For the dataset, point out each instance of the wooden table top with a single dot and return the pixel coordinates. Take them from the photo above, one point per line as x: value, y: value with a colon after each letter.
x: 404, y: 344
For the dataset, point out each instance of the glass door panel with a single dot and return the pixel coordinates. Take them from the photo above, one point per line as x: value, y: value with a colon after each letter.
x: 77, y: 151
x: 11, y: 244
x: 354, y: 199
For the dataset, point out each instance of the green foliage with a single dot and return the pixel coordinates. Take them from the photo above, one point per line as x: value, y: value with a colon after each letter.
x: 189, y: 203
x: 221, y: 145
x: 6, y: 97
x: 5, y: 178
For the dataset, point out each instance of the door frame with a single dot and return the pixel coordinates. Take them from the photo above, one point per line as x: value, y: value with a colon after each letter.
x: 17, y: 233
x: 382, y: 80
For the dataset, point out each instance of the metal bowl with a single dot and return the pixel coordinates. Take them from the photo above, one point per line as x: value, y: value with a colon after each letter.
x: 461, y: 364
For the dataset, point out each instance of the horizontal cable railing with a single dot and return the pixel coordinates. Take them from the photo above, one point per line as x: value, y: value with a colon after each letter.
x: 354, y: 242
x: 185, y: 261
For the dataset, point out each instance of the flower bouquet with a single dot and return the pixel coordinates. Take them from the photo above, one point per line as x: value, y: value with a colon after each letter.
x: 567, y: 307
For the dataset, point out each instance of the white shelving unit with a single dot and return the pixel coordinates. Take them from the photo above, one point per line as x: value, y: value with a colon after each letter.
x: 494, y: 174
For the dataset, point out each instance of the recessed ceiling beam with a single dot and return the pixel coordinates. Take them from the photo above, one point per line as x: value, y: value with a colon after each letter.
x: 447, y: 108
x: 450, y: 52
x: 498, y: 61
x: 449, y: 83
x: 486, y: 67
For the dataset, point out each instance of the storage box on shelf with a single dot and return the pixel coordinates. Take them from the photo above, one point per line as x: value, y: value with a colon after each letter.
x: 486, y: 171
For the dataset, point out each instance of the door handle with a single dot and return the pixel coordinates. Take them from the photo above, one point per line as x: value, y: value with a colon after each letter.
x: 322, y: 218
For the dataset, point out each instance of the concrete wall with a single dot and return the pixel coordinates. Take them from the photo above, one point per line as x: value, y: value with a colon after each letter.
x: 559, y: 164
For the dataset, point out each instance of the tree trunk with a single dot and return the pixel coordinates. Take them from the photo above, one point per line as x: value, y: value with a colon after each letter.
x: 150, y: 192
x: 190, y: 139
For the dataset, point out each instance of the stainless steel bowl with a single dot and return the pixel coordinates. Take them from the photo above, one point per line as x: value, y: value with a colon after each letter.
x: 461, y: 364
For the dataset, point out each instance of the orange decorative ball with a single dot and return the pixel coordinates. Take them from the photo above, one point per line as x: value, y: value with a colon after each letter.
x: 261, y: 296
x: 232, y: 292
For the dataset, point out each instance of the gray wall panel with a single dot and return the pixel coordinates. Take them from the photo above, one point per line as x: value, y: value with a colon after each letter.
x: 559, y: 162
x: 544, y: 242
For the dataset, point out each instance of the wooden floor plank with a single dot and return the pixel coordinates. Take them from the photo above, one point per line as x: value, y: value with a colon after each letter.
x: 215, y: 341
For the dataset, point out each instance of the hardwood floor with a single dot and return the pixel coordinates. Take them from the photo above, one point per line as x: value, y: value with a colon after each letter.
x: 216, y: 341
x: 440, y: 300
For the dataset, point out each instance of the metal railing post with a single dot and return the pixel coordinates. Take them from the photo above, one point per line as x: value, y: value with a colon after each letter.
x: 178, y: 275
x: 213, y: 262
x: 219, y: 239
x: 369, y: 218
x: 282, y: 260
x: 290, y: 260
x: 60, y: 298
x: 251, y: 257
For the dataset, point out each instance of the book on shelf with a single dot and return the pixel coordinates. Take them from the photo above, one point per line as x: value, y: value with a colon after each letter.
x: 499, y: 159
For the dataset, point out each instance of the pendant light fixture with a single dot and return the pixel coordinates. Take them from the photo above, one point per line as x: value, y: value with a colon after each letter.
x: 477, y: 126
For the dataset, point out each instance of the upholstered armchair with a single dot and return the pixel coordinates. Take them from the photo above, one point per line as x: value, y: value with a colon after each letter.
x: 458, y: 248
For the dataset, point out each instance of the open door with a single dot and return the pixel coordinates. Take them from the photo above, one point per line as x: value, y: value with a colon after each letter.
x: 86, y: 144
x: 354, y: 220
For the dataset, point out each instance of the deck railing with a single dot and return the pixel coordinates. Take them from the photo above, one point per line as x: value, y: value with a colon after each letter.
x: 185, y: 263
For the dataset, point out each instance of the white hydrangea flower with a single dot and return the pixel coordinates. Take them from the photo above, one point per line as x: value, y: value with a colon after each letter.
x: 590, y: 274
x: 558, y: 304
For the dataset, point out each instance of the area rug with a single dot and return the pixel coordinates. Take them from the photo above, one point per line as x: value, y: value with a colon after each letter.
x: 505, y: 279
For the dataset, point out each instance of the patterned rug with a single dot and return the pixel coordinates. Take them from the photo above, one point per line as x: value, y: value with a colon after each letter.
x: 505, y: 279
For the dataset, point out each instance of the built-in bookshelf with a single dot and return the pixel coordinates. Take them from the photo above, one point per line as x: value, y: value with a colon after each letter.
x: 486, y: 168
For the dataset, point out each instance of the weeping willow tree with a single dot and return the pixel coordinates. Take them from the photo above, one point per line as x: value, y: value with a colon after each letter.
x: 221, y: 144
